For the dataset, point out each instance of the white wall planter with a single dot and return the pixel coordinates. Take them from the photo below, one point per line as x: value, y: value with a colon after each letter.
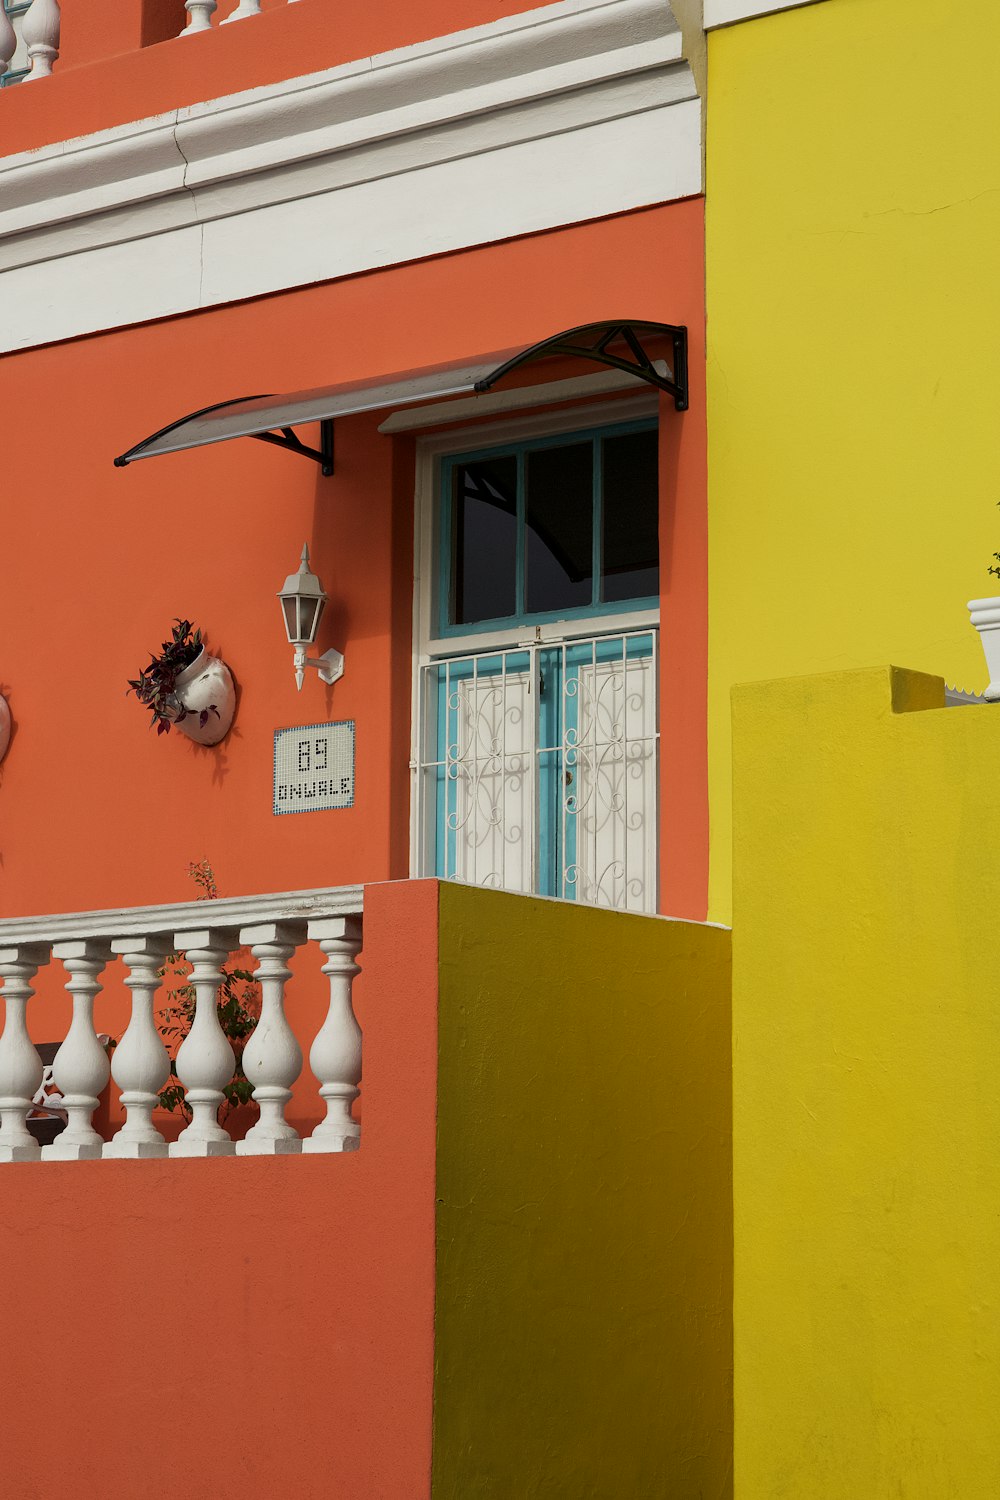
x: 205, y: 685
x: 985, y: 615
x: 4, y: 726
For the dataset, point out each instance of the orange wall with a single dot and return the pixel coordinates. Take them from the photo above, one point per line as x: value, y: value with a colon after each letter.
x: 98, y: 812
x: 101, y: 79
x: 241, y: 1326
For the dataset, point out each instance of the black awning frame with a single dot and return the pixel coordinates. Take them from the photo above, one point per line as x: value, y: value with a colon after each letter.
x: 283, y: 438
x: 574, y: 343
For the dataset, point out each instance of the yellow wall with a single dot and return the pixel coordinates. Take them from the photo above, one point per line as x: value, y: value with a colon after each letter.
x: 583, y: 1316
x: 853, y: 216
x: 866, y: 1097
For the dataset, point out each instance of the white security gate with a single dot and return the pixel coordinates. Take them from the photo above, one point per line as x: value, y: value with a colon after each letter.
x: 537, y: 770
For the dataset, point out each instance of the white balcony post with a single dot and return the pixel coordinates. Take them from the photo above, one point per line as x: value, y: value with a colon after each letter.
x: 335, y: 1056
x: 80, y: 1068
x: 205, y: 1061
x: 200, y: 14
x: 244, y: 9
x: 40, y: 30
x: 8, y: 41
x: 272, y: 1059
x: 20, y: 1065
x: 140, y: 1065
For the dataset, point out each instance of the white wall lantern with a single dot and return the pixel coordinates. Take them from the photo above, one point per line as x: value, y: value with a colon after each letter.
x: 303, y: 600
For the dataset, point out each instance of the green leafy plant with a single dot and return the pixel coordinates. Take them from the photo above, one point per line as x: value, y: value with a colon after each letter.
x: 155, y: 686
x: 238, y: 1009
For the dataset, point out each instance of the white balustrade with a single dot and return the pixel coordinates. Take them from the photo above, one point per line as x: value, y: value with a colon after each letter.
x: 20, y: 1064
x: 244, y: 9
x: 272, y: 1059
x: 200, y: 14
x: 40, y: 32
x: 8, y: 41
x: 205, y: 1061
x: 273, y: 927
x: 335, y: 1057
x: 81, y: 1068
x: 141, y: 1064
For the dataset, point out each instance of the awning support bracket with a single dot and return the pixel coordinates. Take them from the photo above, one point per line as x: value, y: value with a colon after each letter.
x: 574, y: 345
x: 323, y: 455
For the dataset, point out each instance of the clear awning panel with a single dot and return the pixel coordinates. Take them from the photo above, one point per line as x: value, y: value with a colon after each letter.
x: 620, y: 346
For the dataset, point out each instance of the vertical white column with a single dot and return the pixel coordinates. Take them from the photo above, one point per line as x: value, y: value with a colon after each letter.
x: 335, y: 1056
x: 272, y: 1059
x: 8, y: 46
x: 80, y: 1067
x: 244, y: 9
x: 205, y: 1060
x: 140, y: 1065
x: 200, y: 14
x: 20, y: 1064
x: 40, y: 30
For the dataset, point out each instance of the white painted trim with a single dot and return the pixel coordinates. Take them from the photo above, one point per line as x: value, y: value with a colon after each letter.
x: 496, y: 403
x: 729, y: 12
x: 227, y: 912
x: 573, y: 111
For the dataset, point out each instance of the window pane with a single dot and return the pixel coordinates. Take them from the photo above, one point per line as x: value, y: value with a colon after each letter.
x: 559, y: 527
x: 485, y: 500
x: 631, y: 551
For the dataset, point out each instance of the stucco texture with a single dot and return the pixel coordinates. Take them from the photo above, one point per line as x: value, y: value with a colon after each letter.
x: 583, y: 1332
x: 252, y: 1326
x: 853, y: 378
x: 866, y: 1103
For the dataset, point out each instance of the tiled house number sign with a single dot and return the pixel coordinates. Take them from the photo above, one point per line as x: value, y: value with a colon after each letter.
x: 314, y: 767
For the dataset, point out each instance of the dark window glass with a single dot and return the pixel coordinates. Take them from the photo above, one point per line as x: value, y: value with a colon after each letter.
x: 631, y: 551
x: 485, y: 514
x: 559, y: 527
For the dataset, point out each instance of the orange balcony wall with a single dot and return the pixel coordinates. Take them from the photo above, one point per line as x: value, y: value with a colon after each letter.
x: 528, y: 1260
x: 128, y: 62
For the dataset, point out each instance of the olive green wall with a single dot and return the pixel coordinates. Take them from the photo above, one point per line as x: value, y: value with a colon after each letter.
x: 584, y: 1237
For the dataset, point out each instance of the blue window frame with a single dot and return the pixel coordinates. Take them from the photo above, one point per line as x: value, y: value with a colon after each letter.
x: 545, y: 515
x: 537, y: 769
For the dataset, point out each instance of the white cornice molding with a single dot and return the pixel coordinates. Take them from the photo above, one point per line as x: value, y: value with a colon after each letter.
x: 330, y: 174
x: 728, y: 12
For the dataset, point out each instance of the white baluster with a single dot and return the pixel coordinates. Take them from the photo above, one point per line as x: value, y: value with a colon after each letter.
x: 8, y: 46
x: 80, y: 1067
x: 200, y: 14
x: 40, y: 31
x: 272, y: 1059
x: 140, y: 1065
x: 20, y: 1064
x: 205, y: 1060
x: 335, y: 1056
x: 244, y: 9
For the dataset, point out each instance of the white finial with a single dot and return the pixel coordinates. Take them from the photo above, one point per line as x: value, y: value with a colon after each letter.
x: 304, y: 564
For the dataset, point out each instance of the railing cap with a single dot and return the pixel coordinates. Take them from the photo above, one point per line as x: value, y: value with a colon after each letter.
x: 184, y: 916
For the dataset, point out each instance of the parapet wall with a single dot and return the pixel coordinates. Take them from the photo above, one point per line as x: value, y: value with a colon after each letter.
x: 866, y: 1104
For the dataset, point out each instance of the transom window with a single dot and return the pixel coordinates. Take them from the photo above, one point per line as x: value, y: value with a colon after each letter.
x: 555, y: 527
